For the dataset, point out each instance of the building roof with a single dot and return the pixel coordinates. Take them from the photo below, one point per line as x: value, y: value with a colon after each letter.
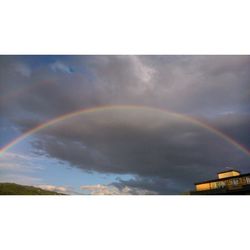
x: 231, y: 170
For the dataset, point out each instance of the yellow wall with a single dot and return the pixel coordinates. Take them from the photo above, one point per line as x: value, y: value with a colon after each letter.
x: 213, y: 185
x: 203, y: 186
x: 228, y: 174
x: 229, y: 183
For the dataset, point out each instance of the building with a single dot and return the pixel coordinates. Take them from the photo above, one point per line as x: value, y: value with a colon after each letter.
x: 228, y: 182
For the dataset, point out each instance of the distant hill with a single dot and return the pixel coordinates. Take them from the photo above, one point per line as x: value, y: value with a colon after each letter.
x: 16, y: 189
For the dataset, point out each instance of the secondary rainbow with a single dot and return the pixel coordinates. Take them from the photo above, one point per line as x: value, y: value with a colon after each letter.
x: 119, y: 107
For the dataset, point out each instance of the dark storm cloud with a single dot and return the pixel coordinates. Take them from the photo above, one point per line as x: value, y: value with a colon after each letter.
x: 214, y: 88
x: 193, y: 84
x: 157, y: 185
x: 235, y: 125
x: 141, y: 143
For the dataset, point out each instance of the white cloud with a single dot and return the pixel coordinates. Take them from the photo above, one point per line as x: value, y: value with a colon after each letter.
x: 10, y: 166
x: 18, y: 162
x: 23, y: 69
x: 60, y: 189
x: 59, y: 66
x: 112, y: 190
x: 15, y: 156
x: 144, y: 74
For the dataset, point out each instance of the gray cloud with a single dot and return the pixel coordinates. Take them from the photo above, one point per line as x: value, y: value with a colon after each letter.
x: 156, y: 185
x: 143, y: 143
x: 152, y: 147
x: 192, y: 84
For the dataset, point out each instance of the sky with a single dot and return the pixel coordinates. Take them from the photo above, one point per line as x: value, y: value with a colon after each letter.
x: 148, y: 127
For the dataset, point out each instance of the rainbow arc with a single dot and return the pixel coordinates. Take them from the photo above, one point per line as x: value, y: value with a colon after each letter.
x: 120, y: 107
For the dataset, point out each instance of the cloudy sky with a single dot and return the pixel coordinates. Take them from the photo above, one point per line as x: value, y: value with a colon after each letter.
x: 150, y: 140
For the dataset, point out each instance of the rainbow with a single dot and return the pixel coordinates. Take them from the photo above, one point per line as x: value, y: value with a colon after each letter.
x: 119, y: 107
